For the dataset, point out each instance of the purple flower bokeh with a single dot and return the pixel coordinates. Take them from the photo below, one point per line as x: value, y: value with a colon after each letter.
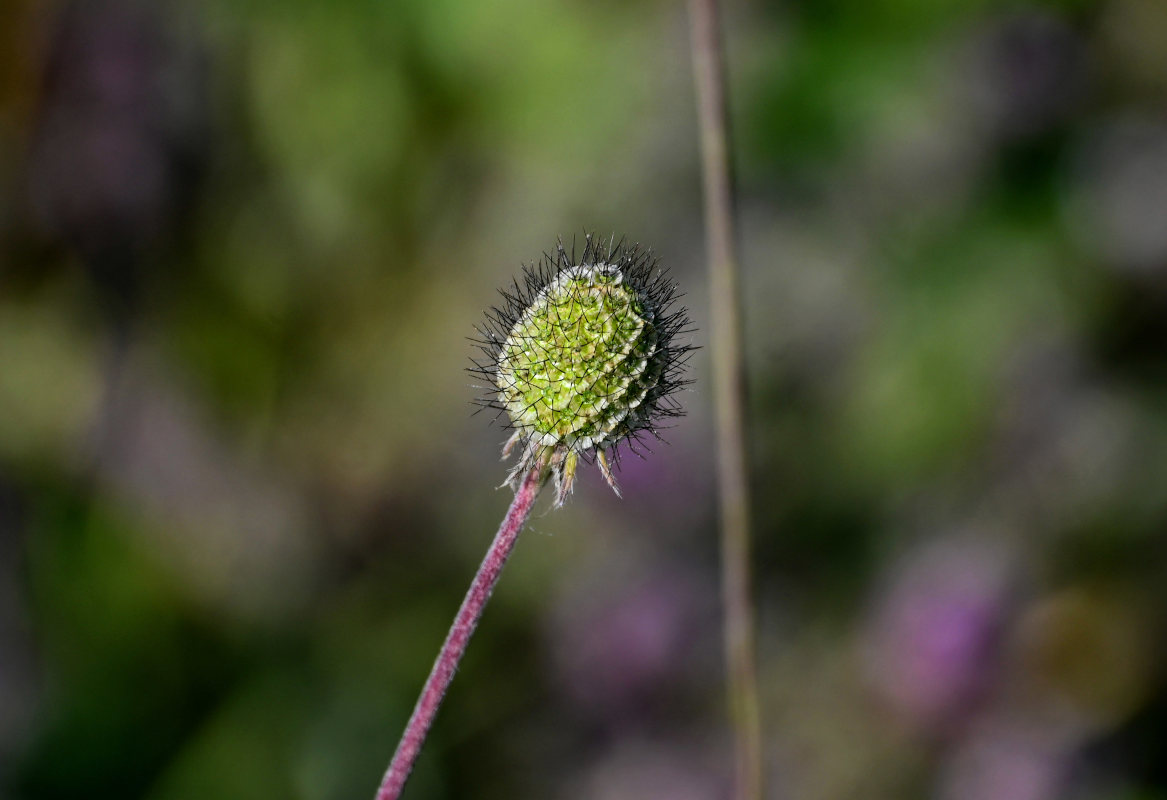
x: 618, y: 645
x: 930, y: 645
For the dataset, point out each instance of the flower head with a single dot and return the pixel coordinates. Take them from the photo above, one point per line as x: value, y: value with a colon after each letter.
x: 581, y: 357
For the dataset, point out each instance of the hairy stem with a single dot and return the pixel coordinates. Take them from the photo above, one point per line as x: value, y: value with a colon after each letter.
x: 461, y: 630
x: 728, y: 397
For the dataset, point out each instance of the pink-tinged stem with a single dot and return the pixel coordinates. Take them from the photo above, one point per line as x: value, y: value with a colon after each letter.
x: 463, y: 627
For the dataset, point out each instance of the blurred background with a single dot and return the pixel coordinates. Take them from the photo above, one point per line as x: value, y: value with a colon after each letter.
x: 242, y: 245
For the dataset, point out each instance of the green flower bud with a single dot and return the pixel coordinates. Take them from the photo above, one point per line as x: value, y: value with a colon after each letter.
x: 582, y: 358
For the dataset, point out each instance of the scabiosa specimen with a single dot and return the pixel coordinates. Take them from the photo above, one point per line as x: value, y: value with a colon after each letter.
x: 582, y: 356
x: 580, y: 359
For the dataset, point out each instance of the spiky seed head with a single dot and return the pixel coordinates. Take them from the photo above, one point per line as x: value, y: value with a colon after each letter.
x: 583, y: 358
x: 575, y: 364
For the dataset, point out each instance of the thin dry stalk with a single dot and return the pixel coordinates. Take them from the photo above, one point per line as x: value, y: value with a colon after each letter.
x: 728, y: 397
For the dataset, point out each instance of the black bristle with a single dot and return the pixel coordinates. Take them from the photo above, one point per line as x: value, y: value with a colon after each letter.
x: 657, y: 292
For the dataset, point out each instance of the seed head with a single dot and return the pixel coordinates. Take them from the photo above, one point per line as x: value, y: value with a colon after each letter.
x: 581, y: 358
